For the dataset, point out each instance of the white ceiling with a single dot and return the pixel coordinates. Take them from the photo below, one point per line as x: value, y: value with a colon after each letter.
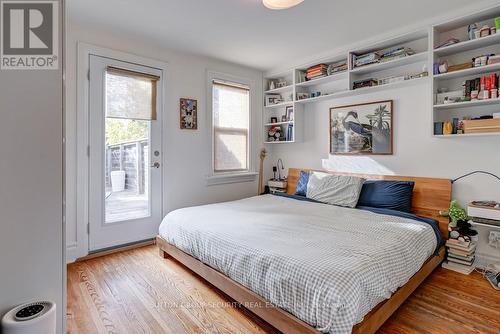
x: 245, y: 32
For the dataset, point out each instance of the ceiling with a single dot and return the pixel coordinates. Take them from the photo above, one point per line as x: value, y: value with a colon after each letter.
x: 245, y: 32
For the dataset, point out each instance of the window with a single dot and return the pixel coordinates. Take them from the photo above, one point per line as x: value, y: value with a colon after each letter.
x: 230, y: 120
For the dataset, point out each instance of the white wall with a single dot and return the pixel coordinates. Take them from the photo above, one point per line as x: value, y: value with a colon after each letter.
x: 187, y: 152
x: 31, y: 227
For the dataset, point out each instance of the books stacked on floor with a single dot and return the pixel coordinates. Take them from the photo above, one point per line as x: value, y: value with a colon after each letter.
x: 461, y: 255
x: 317, y: 71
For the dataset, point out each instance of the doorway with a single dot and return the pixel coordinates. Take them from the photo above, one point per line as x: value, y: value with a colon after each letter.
x: 125, y: 153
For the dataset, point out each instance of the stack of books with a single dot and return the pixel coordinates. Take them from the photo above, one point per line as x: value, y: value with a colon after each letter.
x: 365, y: 59
x: 317, y: 71
x: 397, y: 53
x: 460, y: 257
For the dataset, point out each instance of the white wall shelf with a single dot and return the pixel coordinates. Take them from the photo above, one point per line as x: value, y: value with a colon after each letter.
x: 485, y: 134
x: 279, y: 105
x: 392, y: 85
x: 423, y: 42
x: 468, y: 45
x: 418, y: 57
x: 327, y: 79
x: 280, y: 142
x: 468, y: 72
x: 279, y: 90
x: 467, y: 104
x: 278, y: 123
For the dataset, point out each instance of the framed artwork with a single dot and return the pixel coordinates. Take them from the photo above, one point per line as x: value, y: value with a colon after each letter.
x: 289, y: 113
x: 362, y: 129
x: 189, y: 114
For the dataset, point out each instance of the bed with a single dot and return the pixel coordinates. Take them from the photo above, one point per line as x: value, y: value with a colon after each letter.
x: 308, y: 267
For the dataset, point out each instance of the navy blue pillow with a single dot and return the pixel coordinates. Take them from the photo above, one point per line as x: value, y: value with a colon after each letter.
x: 301, y: 188
x: 394, y: 195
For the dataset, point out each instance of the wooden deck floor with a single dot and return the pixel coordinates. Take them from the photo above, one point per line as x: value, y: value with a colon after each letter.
x: 138, y: 292
x: 125, y: 205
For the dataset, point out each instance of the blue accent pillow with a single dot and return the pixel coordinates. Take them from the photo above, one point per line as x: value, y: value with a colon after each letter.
x: 301, y: 188
x: 393, y: 195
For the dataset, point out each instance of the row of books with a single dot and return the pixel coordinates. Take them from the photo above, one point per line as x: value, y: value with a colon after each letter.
x: 317, y: 71
x: 461, y: 256
x: 381, y: 56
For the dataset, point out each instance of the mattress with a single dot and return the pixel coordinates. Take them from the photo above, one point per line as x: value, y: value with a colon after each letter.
x: 327, y: 265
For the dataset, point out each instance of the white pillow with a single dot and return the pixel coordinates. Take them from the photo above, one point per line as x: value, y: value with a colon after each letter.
x: 334, y: 189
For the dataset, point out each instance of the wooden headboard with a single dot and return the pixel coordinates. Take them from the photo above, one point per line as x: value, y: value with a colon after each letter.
x: 430, y: 195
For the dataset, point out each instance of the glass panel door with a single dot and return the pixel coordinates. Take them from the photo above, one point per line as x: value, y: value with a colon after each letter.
x: 125, y: 153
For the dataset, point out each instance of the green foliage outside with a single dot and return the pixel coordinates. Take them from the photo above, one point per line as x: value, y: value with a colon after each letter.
x: 124, y: 130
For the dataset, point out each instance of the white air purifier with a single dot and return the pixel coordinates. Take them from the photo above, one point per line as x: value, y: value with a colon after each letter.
x: 31, y: 318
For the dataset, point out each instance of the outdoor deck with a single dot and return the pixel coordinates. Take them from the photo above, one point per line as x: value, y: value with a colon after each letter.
x: 126, y: 205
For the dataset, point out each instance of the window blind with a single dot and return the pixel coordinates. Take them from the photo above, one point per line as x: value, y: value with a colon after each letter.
x: 231, y: 114
x: 130, y: 94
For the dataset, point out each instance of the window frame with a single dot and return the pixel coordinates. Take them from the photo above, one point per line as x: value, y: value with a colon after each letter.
x: 222, y: 177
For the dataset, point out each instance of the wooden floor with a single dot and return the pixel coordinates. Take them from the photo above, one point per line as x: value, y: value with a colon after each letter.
x: 138, y: 292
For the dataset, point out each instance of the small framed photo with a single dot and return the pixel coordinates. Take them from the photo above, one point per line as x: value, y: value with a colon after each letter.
x: 188, y: 114
x: 274, y: 119
x: 289, y: 113
x: 283, y: 118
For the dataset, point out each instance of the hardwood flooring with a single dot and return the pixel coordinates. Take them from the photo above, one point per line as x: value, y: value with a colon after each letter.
x: 137, y: 291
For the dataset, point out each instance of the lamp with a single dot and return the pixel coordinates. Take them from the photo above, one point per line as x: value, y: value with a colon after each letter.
x: 475, y: 172
x: 280, y: 4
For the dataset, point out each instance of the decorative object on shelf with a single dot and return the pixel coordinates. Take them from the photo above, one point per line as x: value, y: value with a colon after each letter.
x: 471, y: 29
x: 283, y: 118
x: 497, y: 24
x: 289, y: 113
x: 272, y: 99
x: 289, y: 132
x: 482, y: 125
x: 443, y: 67
x: 364, y: 129
x: 274, y: 134
x: 188, y: 114
x: 281, y: 83
x: 460, y: 128
x: 262, y: 156
x: 272, y: 85
x: 274, y: 119
x: 302, y: 96
x: 448, y: 128
x: 484, y: 31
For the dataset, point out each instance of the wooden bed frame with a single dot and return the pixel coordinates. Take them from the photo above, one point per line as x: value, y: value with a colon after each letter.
x: 429, y: 196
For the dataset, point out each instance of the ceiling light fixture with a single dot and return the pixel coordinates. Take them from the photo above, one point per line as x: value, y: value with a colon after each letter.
x: 281, y: 4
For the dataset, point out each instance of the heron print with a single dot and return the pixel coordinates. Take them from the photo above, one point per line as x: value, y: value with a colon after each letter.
x: 361, y: 129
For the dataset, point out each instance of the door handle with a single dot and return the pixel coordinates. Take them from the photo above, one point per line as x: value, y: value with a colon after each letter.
x: 155, y: 165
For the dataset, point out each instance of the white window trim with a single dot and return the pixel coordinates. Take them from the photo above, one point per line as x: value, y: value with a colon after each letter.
x: 230, y: 177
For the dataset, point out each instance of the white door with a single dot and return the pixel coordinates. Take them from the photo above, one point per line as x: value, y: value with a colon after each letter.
x: 125, y: 194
